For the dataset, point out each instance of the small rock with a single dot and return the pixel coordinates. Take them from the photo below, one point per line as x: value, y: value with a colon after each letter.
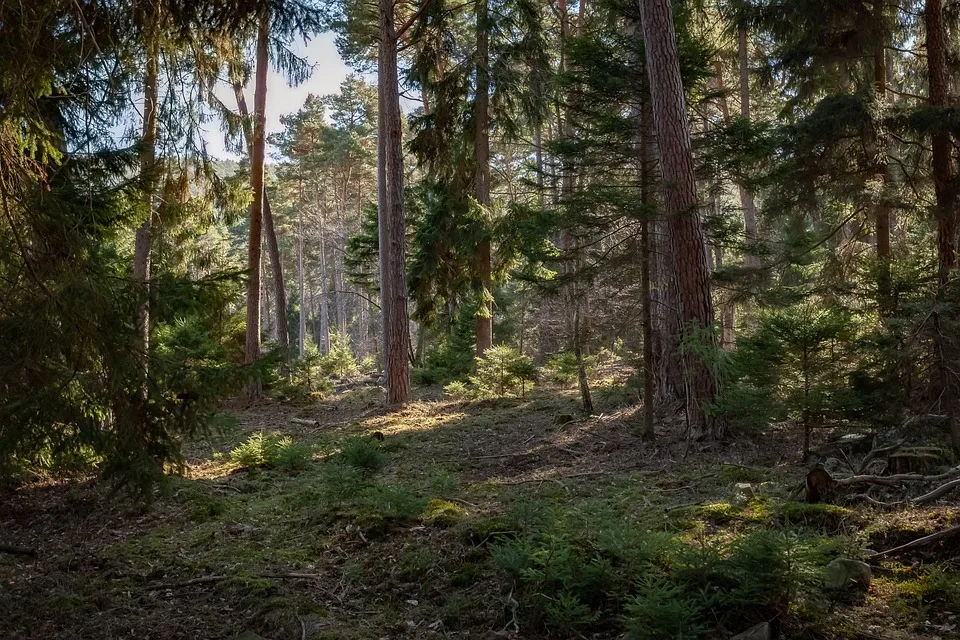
x: 845, y: 574
x: 743, y: 492
x: 760, y: 631
x: 562, y: 418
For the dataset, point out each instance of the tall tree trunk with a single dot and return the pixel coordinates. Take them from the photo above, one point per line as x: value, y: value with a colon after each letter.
x: 728, y: 311
x: 324, y: 298
x: 142, y: 240
x: 303, y: 310
x: 646, y: 302
x: 257, y: 157
x: 481, y: 176
x: 680, y: 199
x: 751, y: 260
x: 877, y: 147
x: 393, y: 285
x: 945, y: 339
x: 273, y: 247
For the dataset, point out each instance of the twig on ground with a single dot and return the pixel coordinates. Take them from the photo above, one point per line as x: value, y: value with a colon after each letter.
x: 17, y: 550
x: 564, y: 477
x: 220, y: 578
x: 915, y: 544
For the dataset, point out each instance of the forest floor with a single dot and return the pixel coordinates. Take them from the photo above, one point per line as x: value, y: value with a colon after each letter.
x: 291, y: 552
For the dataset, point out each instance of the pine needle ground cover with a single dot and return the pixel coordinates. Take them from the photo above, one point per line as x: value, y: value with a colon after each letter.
x: 483, y: 519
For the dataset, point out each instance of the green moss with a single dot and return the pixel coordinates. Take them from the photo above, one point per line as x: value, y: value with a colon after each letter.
x: 466, y: 575
x: 442, y: 513
x: 825, y: 518
x: 718, y: 513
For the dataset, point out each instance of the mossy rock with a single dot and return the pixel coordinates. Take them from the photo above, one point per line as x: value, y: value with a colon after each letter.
x: 442, y: 513
x: 719, y: 513
x: 821, y: 517
x: 562, y: 418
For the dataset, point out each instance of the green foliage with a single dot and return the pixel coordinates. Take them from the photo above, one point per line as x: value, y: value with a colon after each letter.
x: 795, y: 364
x: 578, y: 567
x: 363, y: 453
x: 504, y: 371
x: 459, y: 391
x: 273, y: 451
x: 561, y: 368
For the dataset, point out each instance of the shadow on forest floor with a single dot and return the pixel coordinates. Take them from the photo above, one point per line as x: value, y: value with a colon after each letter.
x: 401, y: 545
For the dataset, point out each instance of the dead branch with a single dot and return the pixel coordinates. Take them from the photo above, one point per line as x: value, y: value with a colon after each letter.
x: 915, y: 544
x: 875, y: 453
x: 220, y: 578
x: 939, y: 492
x: 17, y: 550
x: 895, y: 480
x: 306, y: 422
x: 562, y: 477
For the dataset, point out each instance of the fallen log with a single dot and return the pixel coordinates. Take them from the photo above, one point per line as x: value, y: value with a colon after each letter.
x: 916, y: 544
x: 305, y: 421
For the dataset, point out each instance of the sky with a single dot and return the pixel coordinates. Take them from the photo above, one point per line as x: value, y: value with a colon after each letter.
x: 329, y: 70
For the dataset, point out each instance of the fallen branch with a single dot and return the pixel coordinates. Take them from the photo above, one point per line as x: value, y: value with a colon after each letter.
x: 564, y: 477
x: 17, y: 550
x: 919, y: 542
x: 220, y: 578
x: 892, y: 481
x: 306, y: 422
x: 939, y: 492
x: 873, y: 454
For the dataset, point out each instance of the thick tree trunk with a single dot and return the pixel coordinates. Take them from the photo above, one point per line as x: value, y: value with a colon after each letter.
x: 942, y: 162
x: 257, y: 158
x: 481, y: 176
x: 877, y: 147
x: 393, y: 285
x: 945, y: 340
x: 680, y: 199
x: 142, y: 240
x: 273, y: 247
x: 646, y: 304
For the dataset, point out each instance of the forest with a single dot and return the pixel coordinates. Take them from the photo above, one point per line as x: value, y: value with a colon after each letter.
x: 597, y: 319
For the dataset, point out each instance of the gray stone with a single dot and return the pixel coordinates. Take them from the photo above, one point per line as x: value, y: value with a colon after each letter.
x: 844, y: 574
x: 760, y: 631
x: 743, y: 492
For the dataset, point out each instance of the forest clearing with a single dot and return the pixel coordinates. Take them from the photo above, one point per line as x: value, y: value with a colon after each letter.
x: 577, y: 319
x: 491, y: 519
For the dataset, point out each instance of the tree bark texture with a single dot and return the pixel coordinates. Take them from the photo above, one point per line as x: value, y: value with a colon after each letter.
x: 142, y: 239
x: 273, y: 247
x: 393, y: 285
x: 258, y: 151
x: 680, y: 200
x: 481, y: 116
